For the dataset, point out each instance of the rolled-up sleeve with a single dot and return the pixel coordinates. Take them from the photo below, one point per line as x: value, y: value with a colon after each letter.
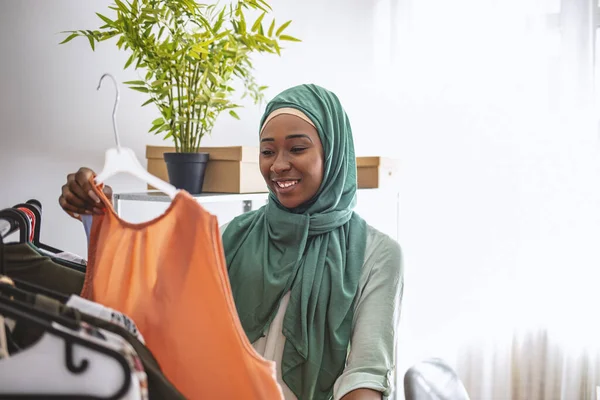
x: 371, y: 358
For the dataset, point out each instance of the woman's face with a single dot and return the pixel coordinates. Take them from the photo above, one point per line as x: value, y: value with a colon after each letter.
x: 291, y: 159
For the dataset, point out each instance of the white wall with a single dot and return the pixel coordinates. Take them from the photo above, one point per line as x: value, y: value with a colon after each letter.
x: 500, y: 215
x: 52, y: 119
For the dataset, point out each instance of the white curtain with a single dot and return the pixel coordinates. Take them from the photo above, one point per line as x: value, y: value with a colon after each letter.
x: 491, y: 107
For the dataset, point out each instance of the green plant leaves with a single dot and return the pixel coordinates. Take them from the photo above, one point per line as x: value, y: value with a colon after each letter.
x: 69, y: 38
x: 107, y: 20
x: 91, y: 40
x: 265, y: 4
x: 140, y: 89
x: 258, y: 22
x: 282, y: 28
x: 289, y: 38
x: 135, y: 83
x: 191, y: 54
x: 129, y: 61
x: 271, y: 28
x: 122, y: 6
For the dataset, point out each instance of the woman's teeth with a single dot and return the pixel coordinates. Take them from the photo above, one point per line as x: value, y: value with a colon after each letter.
x: 286, y: 184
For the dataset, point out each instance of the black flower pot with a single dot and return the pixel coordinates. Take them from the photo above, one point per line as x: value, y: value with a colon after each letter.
x: 186, y: 170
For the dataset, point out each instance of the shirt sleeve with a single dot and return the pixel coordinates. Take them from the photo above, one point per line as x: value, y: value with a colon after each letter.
x: 223, y: 227
x: 371, y: 359
x: 87, y: 220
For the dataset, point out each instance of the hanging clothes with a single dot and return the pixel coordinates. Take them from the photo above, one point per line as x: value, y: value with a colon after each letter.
x: 22, y: 261
x: 41, y: 318
x: 46, y: 372
x: 25, y: 335
x: 169, y: 276
x: 105, y: 313
x: 65, y: 256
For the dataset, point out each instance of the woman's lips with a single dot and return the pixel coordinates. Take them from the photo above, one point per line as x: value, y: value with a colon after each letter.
x: 285, y: 186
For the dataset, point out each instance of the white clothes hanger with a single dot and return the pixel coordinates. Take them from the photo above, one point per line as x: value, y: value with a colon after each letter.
x: 122, y: 159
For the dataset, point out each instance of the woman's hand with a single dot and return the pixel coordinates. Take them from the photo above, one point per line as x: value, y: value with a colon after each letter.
x: 363, y: 394
x: 77, y: 196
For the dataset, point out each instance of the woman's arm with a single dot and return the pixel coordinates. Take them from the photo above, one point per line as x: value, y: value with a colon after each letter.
x: 363, y: 394
x: 370, y: 368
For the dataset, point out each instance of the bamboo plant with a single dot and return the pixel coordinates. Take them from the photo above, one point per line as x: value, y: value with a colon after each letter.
x: 192, y: 55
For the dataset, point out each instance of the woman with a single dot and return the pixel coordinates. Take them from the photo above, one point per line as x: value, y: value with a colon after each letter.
x: 317, y: 290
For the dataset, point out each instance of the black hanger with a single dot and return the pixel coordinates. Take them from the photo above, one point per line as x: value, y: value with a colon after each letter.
x: 23, y: 313
x: 24, y: 301
x: 36, y: 203
x: 16, y: 293
x: 36, y: 222
x: 36, y: 242
x: 18, y: 220
x: 2, y: 269
x: 37, y: 212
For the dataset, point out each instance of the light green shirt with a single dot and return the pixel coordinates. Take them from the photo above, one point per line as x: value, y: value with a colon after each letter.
x: 371, y: 359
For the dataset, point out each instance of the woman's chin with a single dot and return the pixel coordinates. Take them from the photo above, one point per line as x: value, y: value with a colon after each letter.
x: 288, y: 202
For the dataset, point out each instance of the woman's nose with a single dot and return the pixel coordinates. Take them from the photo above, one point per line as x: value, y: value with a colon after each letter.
x: 280, y: 164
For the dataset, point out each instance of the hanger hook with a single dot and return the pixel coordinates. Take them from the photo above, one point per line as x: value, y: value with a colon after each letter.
x: 114, y: 114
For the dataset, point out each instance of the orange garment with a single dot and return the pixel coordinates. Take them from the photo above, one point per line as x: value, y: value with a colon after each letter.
x: 169, y: 275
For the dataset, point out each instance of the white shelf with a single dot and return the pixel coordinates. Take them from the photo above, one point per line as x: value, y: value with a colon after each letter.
x: 379, y: 207
x: 153, y: 195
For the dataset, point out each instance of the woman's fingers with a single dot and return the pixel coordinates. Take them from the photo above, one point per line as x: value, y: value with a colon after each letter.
x: 77, y: 195
x: 74, y: 195
x: 70, y: 209
x: 82, y: 177
x: 107, y: 190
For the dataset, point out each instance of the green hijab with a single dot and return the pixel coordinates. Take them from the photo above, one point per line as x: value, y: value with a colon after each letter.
x: 316, y: 251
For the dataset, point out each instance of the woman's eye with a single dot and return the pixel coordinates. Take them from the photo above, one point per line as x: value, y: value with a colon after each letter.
x: 266, y: 152
x: 298, y: 149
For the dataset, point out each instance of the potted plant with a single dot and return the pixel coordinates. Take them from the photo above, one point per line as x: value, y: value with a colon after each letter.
x: 192, y: 55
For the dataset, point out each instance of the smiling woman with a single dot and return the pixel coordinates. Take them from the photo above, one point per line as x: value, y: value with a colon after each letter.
x: 291, y: 157
x: 317, y: 290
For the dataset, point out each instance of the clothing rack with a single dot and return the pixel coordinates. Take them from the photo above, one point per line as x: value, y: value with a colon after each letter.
x: 51, y: 324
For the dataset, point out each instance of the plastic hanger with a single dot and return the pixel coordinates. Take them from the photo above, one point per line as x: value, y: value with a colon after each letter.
x: 122, y: 159
x: 31, y: 218
x: 22, y: 312
x: 2, y: 269
x: 17, y: 220
x: 37, y: 225
x: 34, y: 221
x: 35, y: 203
x: 48, y: 250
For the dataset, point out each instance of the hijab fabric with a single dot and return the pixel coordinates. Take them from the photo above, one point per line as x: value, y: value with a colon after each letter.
x: 315, y: 251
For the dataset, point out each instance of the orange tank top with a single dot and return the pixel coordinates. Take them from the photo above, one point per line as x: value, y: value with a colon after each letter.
x: 169, y: 276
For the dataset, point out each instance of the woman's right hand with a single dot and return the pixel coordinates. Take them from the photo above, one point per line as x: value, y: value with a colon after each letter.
x: 77, y: 196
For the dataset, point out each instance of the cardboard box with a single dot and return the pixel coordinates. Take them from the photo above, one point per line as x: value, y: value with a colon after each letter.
x: 235, y: 169
x: 230, y: 169
x: 376, y: 172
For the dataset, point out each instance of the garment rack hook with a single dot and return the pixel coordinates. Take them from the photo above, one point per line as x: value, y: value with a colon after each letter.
x: 114, y: 114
